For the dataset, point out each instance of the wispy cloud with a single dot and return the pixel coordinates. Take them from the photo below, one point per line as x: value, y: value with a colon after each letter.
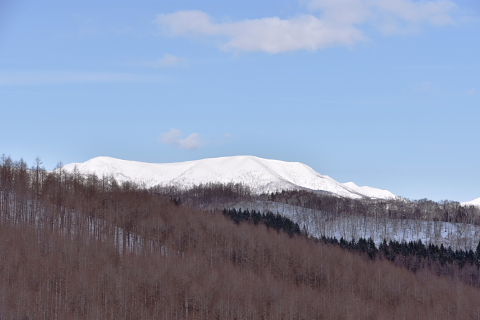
x: 331, y: 23
x: 389, y: 16
x: 424, y: 86
x: 424, y: 67
x: 226, y: 138
x: 48, y: 78
x: 167, y: 61
x: 471, y: 92
x: 174, y: 138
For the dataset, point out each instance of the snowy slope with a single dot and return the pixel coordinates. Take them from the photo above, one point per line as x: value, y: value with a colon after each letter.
x: 317, y: 223
x: 474, y: 202
x: 261, y: 175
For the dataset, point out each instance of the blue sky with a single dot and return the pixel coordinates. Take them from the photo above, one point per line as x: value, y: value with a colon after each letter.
x: 384, y: 93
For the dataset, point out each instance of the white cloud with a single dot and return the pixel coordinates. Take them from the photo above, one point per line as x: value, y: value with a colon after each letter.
x: 167, y: 61
x: 339, y: 22
x: 174, y: 138
x: 471, y: 92
x: 46, y: 78
x: 272, y: 35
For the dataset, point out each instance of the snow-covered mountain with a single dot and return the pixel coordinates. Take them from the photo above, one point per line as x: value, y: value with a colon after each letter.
x: 261, y: 175
x: 474, y: 202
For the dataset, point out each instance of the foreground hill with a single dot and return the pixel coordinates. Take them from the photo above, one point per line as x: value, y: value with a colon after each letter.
x: 260, y: 175
x: 76, y: 247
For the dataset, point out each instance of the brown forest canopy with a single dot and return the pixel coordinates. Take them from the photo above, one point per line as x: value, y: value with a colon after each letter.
x: 87, y: 247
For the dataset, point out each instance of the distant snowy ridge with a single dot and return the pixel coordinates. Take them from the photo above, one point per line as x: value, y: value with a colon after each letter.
x: 261, y: 175
x: 474, y: 202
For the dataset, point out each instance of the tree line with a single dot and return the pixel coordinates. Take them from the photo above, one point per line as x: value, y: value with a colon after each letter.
x: 217, y: 195
x: 269, y: 219
x: 422, y: 209
x: 459, y: 265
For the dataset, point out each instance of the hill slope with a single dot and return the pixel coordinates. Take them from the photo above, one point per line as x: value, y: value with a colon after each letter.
x: 261, y: 175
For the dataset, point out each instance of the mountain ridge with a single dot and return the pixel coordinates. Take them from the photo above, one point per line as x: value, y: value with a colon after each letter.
x: 474, y: 202
x: 261, y: 175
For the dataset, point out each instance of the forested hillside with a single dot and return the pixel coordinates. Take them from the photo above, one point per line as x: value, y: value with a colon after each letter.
x: 446, y: 223
x: 87, y: 247
x: 210, y: 195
